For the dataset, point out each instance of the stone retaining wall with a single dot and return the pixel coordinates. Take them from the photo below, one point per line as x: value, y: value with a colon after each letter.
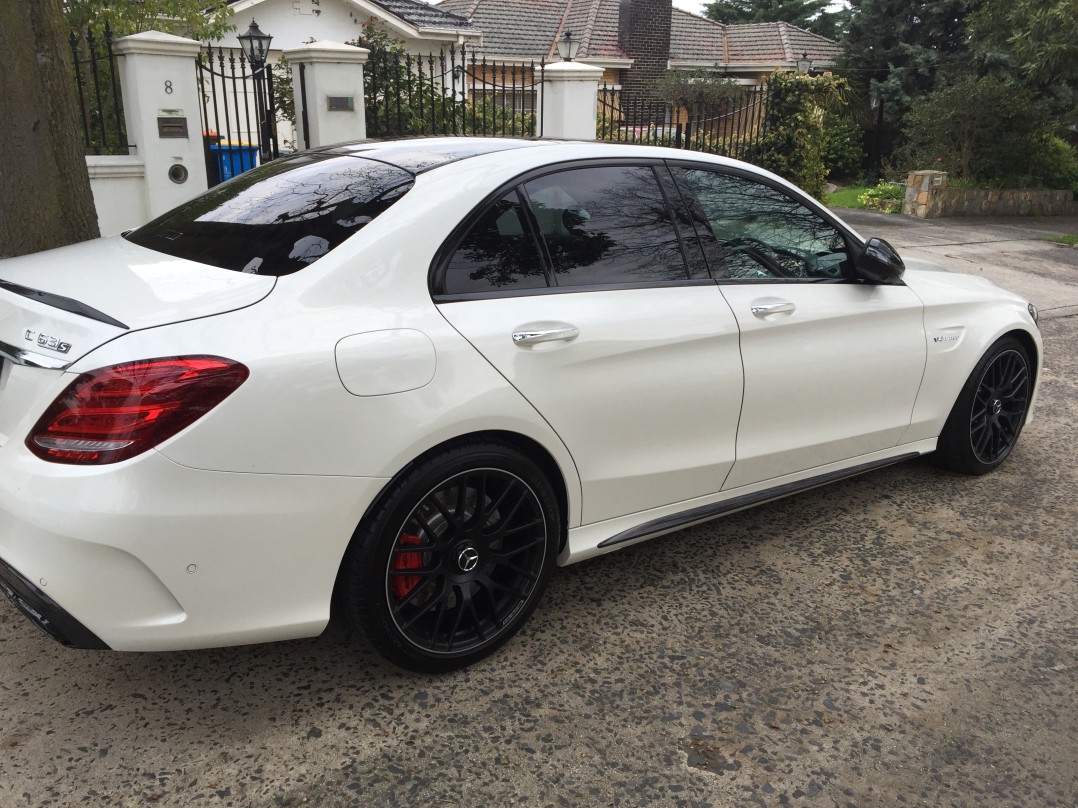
x: 928, y: 197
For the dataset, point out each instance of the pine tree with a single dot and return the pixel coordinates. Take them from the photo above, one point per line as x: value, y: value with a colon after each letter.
x: 898, y: 50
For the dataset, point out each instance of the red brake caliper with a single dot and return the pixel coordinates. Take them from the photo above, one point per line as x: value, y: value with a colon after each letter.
x: 403, y: 584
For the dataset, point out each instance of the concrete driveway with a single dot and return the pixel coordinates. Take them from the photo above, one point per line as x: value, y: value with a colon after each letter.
x: 905, y: 638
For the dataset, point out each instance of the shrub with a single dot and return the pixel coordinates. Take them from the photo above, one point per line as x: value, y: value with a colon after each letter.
x: 1056, y: 164
x: 792, y: 144
x: 886, y: 197
x: 986, y: 132
x: 843, y: 153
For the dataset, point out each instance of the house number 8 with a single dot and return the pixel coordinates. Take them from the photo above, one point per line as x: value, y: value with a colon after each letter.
x: 168, y: 87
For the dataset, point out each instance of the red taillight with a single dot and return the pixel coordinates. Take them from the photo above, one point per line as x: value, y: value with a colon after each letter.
x: 114, y: 413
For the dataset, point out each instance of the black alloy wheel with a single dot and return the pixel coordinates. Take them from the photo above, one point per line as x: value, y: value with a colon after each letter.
x: 991, y: 409
x: 466, y: 561
x: 999, y: 407
x: 454, y: 560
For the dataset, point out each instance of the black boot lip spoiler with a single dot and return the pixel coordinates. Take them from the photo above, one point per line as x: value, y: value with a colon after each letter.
x: 63, y: 303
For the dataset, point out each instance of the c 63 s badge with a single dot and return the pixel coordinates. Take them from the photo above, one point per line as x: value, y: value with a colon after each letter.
x: 50, y: 343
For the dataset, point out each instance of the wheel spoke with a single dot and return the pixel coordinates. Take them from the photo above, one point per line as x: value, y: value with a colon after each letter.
x: 513, y: 512
x: 456, y: 622
x: 419, y: 573
x: 480, y: 502
x: 507, y: 589
x: 531, y: 576
x: 432, y: 535
x: 462, y: 497
x: 402, y: 605
x: 439, y: 506
x: 519, y: 528
x: 442, y: 605
x: 484, y: 584
x: 498, y: 556
x: 414, y: 548
x: 470, y: 603
x: 497, y: 505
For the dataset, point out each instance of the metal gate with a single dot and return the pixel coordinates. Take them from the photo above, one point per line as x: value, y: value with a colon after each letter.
x: 451, y: 92
x: 239, y: 121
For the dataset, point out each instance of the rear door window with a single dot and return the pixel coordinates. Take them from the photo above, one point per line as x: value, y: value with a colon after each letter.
x: 497, y: 254
x: 280, y: 217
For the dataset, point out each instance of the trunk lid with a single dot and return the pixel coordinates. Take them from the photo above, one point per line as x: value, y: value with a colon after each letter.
x: 57, y: 306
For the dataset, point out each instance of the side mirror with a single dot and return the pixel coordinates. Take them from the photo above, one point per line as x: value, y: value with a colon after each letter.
x: 879, y: 262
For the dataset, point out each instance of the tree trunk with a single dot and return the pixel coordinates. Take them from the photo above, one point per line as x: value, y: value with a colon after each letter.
x: 45, y: 198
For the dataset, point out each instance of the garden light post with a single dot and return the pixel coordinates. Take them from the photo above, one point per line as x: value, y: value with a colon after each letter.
x: 255, y: 44
x: 804, y: 64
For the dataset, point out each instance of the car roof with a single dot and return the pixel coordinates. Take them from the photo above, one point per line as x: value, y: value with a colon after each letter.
x: 417, y: 155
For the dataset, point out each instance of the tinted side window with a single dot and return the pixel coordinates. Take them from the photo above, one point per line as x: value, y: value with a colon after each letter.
x: 760, y: 233
x: 607, y: 225
x: 497, y: 253
x: 280, y: 217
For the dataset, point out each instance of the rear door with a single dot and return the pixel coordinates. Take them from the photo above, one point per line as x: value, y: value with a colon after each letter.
x: 832, y: 364
x: 575, y: 287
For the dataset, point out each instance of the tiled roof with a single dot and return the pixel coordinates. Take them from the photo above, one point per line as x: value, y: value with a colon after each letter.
x: 523, y: 28
x: 424, y: 15
x: 531, y: 28
x: 695, y: 39
x: 419, y: 14
x: 772, y: 42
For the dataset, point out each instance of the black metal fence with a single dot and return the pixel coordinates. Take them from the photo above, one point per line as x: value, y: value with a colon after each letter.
x: 451, y: 92
x: 100, y: 97
x: 237, y: 114
x: 733, y: 126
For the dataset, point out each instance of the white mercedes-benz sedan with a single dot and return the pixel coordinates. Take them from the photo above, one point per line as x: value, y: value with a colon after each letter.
x: 408, y: 379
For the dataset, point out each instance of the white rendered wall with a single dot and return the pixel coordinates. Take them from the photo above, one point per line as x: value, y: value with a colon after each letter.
x: 119, y: 188
x: 293, y: 23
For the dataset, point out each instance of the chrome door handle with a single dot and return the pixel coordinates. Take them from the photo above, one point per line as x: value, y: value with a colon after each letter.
x: 565, y: 333
x: 764, y: 309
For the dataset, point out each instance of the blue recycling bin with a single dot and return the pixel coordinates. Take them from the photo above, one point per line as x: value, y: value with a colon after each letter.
x: 234, y: 158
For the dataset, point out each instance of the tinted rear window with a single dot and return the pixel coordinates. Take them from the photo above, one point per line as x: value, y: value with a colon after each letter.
x: 279, y: 217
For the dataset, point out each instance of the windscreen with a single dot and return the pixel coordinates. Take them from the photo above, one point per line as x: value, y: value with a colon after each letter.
x: 280, y: 217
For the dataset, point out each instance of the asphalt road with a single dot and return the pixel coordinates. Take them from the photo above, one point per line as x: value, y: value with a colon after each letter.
x: 905, y: 638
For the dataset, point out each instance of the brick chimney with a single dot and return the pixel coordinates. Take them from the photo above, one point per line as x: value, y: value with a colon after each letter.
x: 644, y: 36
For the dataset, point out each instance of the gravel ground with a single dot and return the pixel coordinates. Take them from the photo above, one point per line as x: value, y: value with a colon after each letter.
x: 905, y: 638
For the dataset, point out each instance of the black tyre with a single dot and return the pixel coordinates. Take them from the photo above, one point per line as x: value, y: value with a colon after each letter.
x: 452, y: 562
x: 987, y: 418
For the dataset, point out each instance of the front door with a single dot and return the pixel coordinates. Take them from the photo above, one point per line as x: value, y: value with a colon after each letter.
x: 832, y: 364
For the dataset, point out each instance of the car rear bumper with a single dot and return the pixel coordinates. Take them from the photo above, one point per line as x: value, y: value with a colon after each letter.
x: 44, y: 612
x: 148, y: 555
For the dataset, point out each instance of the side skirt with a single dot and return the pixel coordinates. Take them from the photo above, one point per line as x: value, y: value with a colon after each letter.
x: 666, y: 524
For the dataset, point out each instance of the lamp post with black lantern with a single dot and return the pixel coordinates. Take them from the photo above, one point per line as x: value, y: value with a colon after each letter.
x: 255, y: 44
